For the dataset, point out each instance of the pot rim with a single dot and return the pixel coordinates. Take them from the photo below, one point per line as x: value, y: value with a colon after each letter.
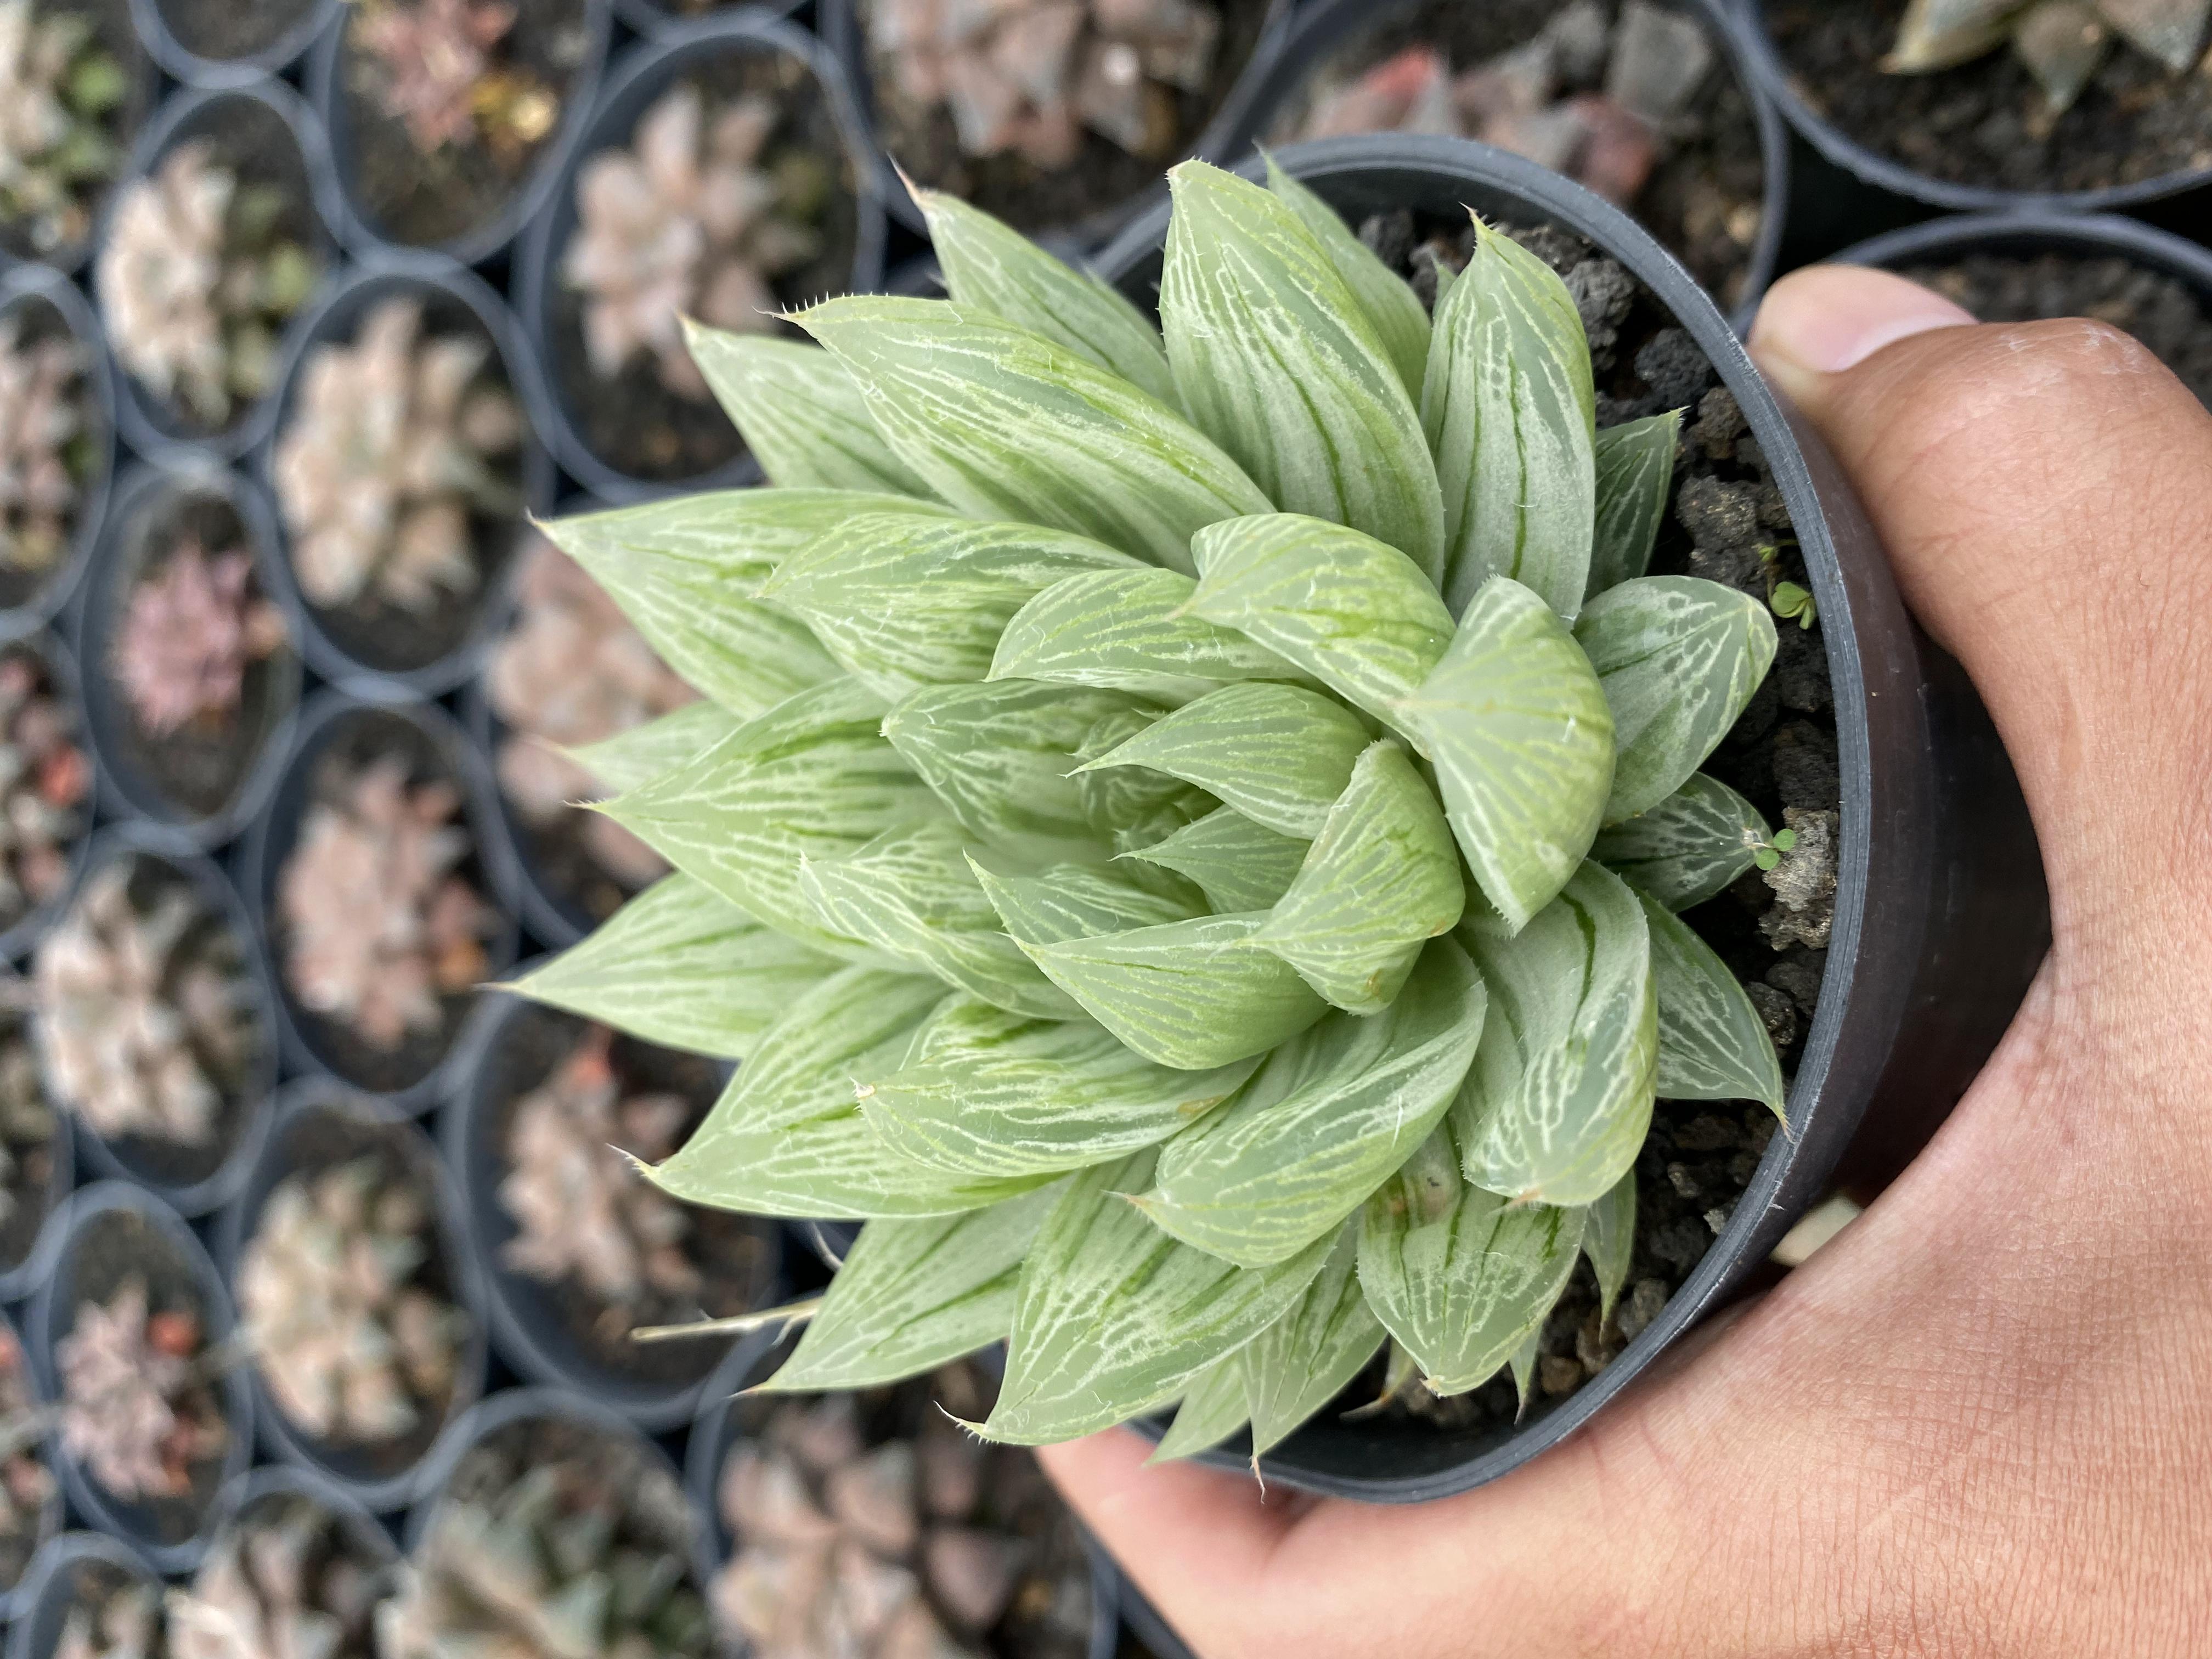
x: 253, y: 69
x: 2028, y: 231
x: 55, y: 1557
x: 22, y: 284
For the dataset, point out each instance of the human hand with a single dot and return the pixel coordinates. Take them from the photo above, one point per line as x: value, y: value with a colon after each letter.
x: 1979, y: 1423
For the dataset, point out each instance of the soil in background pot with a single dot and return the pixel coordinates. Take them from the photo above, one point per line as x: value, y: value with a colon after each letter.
x: 1035, y: 163
x: 1559, y: 81
x: 608, y: 1252
x: 221, y: 30
x: 30, y: 1129
x: 1987, y: 123
x: 2163, y: 312
x: 945, y: 1544
x: 652, y: 417
x: 28, y: 1513
x: 62, y: 446
x: 199, y: 658
x: 432, y: 155
x: 104, y: 90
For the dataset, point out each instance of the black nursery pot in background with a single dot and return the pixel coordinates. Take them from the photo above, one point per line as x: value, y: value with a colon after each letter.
x: 391, y: 197
x: 543, y: 1329
x: 365, y: 642
x: 335, y: 729
x: 1941, y: 917
x: 41, y: 304
x: 230, y: 43
x: 320, y: 1126
x: 77, y: 1569
x: 197, y: 786
x: 57, y: 674
x: 628, y: 438
x: 365, y: 1539
x: 115, y: 1232
x: 193, y: 1179
x: 266, y: 136
x: 1746, y: 131
x: 18, y: 1554
x: 43, y: 1172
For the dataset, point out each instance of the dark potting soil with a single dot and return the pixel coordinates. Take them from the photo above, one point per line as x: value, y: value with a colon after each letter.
x: 224, y: 29
x: 1104, y: 178
x: 412, y: 198
x: 114, y: 1245
x: 199, y: 768
x: 1706, y: 197
x: 36, y: 320
x: 564, y: 865
x: 632, y: 422
x: 112, y: 25
x: 1727, y: 523
x: 29, y: 1154
x: 1986, y: 123
x: 2163, y: 312
x: 364, y: 737
x: 735, y: 1255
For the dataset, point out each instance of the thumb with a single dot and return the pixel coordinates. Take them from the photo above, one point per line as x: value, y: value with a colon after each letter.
x: 2044, y: 492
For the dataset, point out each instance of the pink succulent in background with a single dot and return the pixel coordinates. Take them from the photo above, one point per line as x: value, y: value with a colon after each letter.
x: 378, y: 924
x: 136, y: 1410
x: 43, y: 407
x: 190, y: 631
x: 45, y: 781
x: 434, y: 53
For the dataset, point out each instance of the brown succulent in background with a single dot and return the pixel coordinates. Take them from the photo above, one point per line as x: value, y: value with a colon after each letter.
x: 281, y: 1583
x: 378, y: 924
x: 389, y: 450
x: 694, y: 219
x: 28, y: 1124
x: 1026, y: 78
x: 124, y: 1623
x: 45, y: 783
x: 352, y: 1348
x: 440, y: 76
x: 196, y: 280
x: 1588, y: 98
x: 141, y: 1024
x: 190, y: 631
x: 27, y: 1484
x: 43, y: 404
x: 136, y: 1409
x: 58, y: 90
x: 572, y: 671
x: 581, y: 1210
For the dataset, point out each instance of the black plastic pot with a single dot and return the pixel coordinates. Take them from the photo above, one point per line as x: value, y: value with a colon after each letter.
x: 641, y: 75
x: 43, y: 1601
x: 63, y: 683
x: 193, y: 1182
x: 115, y: 33
x: 367, y: 1537
x: 33, y: 1259
x: 656, y: 22
x: 521, y: 1045
x: 115, y: 1216
x: 2025, y: 233
x: 319, y: 1125
x: 16, y: 1597
x: 1224, y: 138
x: 1870, y: 167
x: 333, y: 723
x: 266, y: 134
x: 1940, y: 915
x: 340, y: 645
x: 40, y: 291
x: 148, y: 498
x: 197, y: 69
x: 1323, y: 28
x: 485, y: 241
x: 716, y: 1430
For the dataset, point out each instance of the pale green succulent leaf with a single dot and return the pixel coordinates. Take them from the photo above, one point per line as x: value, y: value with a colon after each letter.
x: 1712, y: 1043
x: 1462, y: 1277
x: 911, y: 893
x: 1133, y: 631
x: 1380, y: 881
x: 1076, y: 901
x: 1302, y: 1361
x: 1278, y: 363
x: 903, y: 601
x: 1689, y: 847
x: 914, y: 1294
x: 632, y: 759
x: 1609, y: 1241
x: 811, y: 778
x: 1355, y: 613
x: 1329, y: 1115
x: 1389, y: 300
x: 990, y: 265
x: 1523, y: 1366
x: 1113, y: 1318
x: 1635, y: 479
x: 1279, y: 754
x: 1238, y: 863
x: 682, y: 966
x: 1519, y: 732
x: 1511, y: 415
x: 1679, y: 658
x: 799, y: 413
x: 1940, y: 34
x: 986, y: 1092
x: 1212, y: 1411
x: 1006, y: 424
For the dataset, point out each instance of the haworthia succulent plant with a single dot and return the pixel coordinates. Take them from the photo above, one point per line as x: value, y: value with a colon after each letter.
x: 1186, y: 833
x: 2061, y: 42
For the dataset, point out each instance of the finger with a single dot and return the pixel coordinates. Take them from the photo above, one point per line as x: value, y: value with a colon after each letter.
x: 2044, y: 492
